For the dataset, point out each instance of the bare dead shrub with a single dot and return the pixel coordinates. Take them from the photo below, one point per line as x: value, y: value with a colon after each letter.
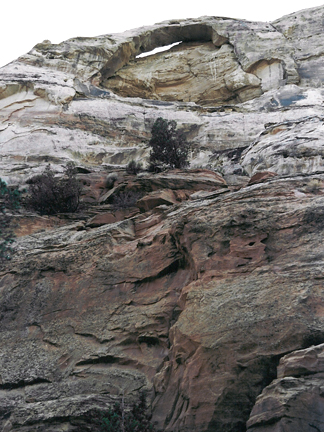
x: 126, y: 199
x: 51, y: 195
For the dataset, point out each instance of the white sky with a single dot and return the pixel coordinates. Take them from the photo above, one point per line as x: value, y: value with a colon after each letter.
x: 24, y: 23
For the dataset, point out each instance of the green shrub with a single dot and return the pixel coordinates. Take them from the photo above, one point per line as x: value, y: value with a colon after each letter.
x: 9, y: 201
x: 169, y: 146
x: 110, y: 181
x: 50, y: 195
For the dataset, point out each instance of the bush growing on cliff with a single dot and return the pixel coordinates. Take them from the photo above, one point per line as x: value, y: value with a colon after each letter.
x: 169, y: 146
x: 9, y: 202
x: 50, y: 195
x: 126, y: 199
x: 134, y: 167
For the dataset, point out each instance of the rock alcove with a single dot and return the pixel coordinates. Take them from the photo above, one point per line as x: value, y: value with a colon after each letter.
x: 203, y: 68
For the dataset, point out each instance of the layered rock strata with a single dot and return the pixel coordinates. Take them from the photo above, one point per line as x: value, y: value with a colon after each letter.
x: 92, y: 101
x: 207, y: 293
x: 196, y: 302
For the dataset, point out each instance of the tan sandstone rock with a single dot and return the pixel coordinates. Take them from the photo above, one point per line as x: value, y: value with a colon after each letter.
x: 54, y: 106
x: 190, y: 72
x: 261, y: 177
x: 198, y: 302
x: 156, y: 198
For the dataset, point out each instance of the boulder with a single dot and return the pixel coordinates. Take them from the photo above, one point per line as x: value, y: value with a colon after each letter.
x: 303, y: 362
x: 111, y: 217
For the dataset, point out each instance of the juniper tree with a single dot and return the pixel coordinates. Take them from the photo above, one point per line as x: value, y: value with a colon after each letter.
x: 169, y: 146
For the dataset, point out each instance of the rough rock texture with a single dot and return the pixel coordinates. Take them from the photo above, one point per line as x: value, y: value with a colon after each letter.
x: 294, y: 401
x: 207, y: 291
x: 292, y: 147
x: 196, y: 303
x: 190, y: 72
x: 58, y: 102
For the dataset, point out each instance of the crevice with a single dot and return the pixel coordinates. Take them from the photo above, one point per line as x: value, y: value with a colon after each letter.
x: 55, y: 311
x: 23, y: 383
x: 91, y: 336
x: 314, y: 427
x: 247, y: 261
x: 54, y: 344
x: 172, y: 411
x: 315, y: 337
x: 172, y: 268
x: 309, y: 57
x: 233, y: 154
x: 109, y: 359
x: 239, y: 397
x: 278, y: 31
x: 26, y: 103
x: 59, y: 420
x: 149, y: 340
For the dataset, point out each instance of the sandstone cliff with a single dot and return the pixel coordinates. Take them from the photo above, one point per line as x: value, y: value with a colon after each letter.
x: 208, y: 293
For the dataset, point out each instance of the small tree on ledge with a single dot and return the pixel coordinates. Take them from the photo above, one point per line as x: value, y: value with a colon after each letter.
x: 168, y: 146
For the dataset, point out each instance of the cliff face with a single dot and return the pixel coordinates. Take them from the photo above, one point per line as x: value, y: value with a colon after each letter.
x: 207, y: 293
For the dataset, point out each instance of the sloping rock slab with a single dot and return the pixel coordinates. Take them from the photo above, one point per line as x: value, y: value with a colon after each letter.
x: 206, y: 194
x: 192, y: 180
x: 288, y: 148
x: 156, y: 198
x: 261, y: 177
x: 111, y: 217
x: 302, y: 362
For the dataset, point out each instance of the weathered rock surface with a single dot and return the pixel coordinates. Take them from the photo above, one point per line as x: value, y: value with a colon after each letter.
x: 294, y: 401
x: 197, y: 307
x: 190, y: 72
x: 207, y: 292
x: 288, y: 148
x: 55, y: 104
